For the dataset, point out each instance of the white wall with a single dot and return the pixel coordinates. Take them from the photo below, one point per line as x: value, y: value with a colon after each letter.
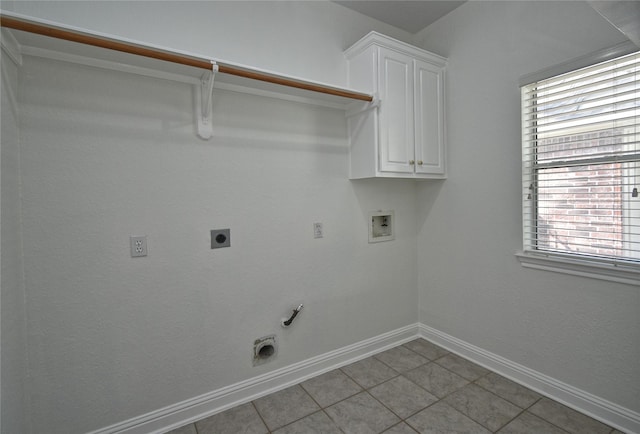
x: 106, y: 155
x: 12, y: 313
x: 299, y: 38
x: 583, y: 332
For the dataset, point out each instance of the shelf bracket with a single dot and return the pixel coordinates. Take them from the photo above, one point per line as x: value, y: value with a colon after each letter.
x: 204, y: 102
x: 358, y: 108
x: 368, y: 110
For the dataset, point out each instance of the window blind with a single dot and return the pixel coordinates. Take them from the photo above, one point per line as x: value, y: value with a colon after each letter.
x: 581, y: 162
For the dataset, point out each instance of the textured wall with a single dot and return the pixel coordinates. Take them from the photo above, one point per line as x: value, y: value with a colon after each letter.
x: 299, y: 38
x: 581, y: 331
x: 13, y: 323
x: 106, y: 155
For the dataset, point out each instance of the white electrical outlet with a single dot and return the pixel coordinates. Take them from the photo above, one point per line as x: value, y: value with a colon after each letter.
x: 317, y: 230
x: 138, y: 246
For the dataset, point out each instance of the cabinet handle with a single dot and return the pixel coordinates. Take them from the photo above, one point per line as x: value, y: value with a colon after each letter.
x: 419, y: 162
x: 412, y: 162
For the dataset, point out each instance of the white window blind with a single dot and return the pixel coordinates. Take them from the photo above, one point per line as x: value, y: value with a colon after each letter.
x: 581, y: 163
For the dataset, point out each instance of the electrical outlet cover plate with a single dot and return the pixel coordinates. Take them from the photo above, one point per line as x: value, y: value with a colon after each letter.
x: 138, y: 246
x: 220, y: 238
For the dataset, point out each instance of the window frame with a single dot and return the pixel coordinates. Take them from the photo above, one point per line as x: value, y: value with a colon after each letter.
x: 619, y: 271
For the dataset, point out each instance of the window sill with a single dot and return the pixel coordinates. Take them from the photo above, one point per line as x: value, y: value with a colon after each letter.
x: 580, y: 267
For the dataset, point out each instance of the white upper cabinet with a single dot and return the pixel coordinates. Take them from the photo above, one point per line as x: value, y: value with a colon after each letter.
x: 401, y: 135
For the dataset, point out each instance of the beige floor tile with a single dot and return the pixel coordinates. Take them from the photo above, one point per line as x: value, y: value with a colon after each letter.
x: 507, y: 389
x: 402, y: 396
x: 527, y: 423
x: 436, y: 379
x: 567, y: 418
x: 440, y: 418
x: 361, y: 414
x: 317, y: 423
x: 400, y: 391
x: 426, y: 349
x: 401, y: 428
x: 331, y: 387
x: 369, y: 372
x: 401, y: 359
x: 484, y: 407
x: 283, y: 407
x: 462, y: 367
x: 243, y: 418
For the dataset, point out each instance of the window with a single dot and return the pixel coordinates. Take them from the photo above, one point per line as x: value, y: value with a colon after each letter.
x: 581, y: 164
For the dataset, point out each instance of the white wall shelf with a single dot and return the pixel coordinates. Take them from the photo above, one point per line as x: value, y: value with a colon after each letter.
x: 52, y: 40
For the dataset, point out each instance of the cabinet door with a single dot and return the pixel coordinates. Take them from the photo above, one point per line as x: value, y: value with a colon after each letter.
x: 429, y: 121
x: 396, y: 151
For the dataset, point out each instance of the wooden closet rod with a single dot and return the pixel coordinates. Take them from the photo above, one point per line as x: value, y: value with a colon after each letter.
x: 96, y: 41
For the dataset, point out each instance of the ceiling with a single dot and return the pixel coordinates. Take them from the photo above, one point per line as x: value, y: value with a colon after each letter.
x: 411, y: 16
x: 624, y: 15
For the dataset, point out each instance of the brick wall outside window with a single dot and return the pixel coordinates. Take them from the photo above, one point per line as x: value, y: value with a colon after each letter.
x: 580, y: 208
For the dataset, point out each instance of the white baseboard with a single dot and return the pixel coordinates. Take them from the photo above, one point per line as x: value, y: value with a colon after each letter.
x: 191, y: 410
x: 607, y: 412
x: 194, y: 409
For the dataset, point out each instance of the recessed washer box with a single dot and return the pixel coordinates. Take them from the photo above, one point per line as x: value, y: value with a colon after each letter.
x: 381, y: 226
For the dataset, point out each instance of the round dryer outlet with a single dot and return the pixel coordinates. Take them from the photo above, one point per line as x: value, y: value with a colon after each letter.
x: 264, y: 350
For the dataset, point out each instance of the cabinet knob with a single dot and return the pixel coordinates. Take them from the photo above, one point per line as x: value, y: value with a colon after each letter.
x: 412, y: 162
x: 419, y: 162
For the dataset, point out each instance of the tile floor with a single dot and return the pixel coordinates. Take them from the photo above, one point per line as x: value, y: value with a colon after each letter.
x: 415, y: 387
